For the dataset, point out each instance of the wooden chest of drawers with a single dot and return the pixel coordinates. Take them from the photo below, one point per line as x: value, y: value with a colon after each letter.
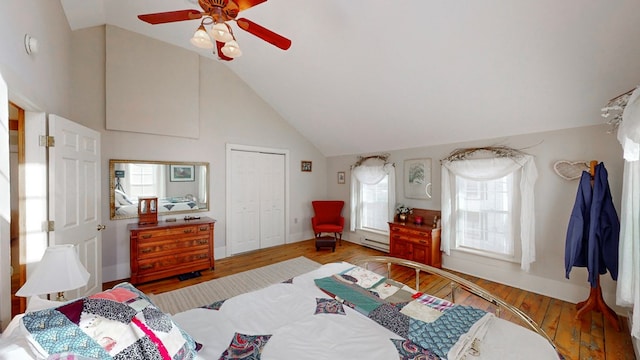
x: 170, y: 248
x: 419, y: 243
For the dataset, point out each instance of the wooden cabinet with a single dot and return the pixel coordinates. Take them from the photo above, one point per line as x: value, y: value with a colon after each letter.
x: 170, y: 248
x: 419, y: 243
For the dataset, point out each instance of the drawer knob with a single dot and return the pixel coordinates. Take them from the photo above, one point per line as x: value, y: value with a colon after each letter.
x: 145, y: 236
x: 186, y: 231
x: 203, y: 242
x: 146, y: 267
x: 204, y: 228
x: 146, y: 250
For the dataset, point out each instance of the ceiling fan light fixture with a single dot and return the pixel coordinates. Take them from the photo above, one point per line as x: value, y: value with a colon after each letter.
x: 231, y: 49
x: 201, y: 39
x: 221, y: 32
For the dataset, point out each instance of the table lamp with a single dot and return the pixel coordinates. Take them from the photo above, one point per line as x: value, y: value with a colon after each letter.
x: 59, y: 270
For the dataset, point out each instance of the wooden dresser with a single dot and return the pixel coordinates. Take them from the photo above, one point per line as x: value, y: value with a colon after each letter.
x: 420, y: 243
x: 170, y: 248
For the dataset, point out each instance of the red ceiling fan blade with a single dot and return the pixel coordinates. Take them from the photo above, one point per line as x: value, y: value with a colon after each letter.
x: 171, y: 16
x: 222, y: 56
x: 245, y: 4
x: 264, y: 33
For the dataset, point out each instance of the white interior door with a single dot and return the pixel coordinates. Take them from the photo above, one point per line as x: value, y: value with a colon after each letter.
x: 244, y: 221
x: 271, y: 199
x: 74, y: 196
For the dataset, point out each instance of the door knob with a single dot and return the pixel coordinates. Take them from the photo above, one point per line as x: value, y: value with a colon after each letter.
x: 101, y: 227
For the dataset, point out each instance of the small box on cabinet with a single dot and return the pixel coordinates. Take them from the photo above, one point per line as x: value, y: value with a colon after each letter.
x: 147, y: 210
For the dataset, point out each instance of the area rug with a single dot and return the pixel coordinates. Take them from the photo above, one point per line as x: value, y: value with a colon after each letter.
x: 223, y: 288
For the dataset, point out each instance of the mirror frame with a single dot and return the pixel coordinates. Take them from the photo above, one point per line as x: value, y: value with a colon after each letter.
x: 112, y: 186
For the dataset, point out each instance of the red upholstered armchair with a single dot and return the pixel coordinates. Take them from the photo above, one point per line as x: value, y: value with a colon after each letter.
x: 328, y: 218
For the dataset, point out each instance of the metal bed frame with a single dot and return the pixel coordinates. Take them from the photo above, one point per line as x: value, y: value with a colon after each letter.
x: 458, y: 282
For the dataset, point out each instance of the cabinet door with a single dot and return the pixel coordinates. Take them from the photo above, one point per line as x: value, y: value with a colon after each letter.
x: 402, y: 249
x: 421, y: 253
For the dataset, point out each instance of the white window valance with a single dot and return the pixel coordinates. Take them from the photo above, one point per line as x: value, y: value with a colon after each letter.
x: 491, y: 169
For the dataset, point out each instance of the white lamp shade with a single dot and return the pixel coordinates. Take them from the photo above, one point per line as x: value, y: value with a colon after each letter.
x: 201, y: 39
x: 221, y: 32
x: 231, y: 49
x: 59, y: 270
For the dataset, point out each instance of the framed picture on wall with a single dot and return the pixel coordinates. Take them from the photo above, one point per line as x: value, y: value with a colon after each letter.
x: 305, y: 166
x: 417, y: 178
x: 182, y: 173
x: 340, y: 177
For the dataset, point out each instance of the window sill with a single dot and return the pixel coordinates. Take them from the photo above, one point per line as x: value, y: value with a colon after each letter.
x: 489, y: 255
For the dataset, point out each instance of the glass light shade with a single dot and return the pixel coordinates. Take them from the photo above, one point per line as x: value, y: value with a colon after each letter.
x: 201, y: 39
x: 59, y: 270
x: 231, y: 49
x: 221, y: 32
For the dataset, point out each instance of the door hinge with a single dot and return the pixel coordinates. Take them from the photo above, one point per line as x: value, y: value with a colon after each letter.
x: 49, y: 225
x: 47, y: 141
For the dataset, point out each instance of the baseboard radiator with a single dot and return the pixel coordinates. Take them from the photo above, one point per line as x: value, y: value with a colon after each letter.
x: 375, y: 244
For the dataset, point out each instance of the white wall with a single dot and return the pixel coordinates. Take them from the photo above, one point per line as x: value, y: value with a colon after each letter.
x: 554, y: 199
x: 230, y: 112
x: 35, y: 82
x: 39, y: 81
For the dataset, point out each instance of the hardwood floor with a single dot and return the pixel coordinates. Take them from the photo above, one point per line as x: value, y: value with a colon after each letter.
x: 591, y: 338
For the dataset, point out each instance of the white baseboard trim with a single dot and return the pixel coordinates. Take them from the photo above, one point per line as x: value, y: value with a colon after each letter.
x: 116, y: 272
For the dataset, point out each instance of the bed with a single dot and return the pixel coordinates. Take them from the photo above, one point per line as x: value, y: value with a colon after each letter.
x: 128, y: 206
x: 339, y: 311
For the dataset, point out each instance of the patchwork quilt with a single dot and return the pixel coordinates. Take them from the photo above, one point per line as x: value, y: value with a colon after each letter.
x: 437, y: 326
x: 120, y: 323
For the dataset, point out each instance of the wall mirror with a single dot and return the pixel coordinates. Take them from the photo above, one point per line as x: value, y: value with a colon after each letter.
x: 181, y: 187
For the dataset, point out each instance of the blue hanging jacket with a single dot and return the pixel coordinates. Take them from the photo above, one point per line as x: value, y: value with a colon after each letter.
x: 594, y: 229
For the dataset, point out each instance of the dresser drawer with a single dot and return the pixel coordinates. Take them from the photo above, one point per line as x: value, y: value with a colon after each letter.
x: 155, y: 264
x: 149, y: 249
x: 411, y: 232
x: 168, y: 232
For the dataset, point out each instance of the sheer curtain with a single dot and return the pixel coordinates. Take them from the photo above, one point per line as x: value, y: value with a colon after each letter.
x: 491, y: 169
x: 371, y: 174
x: 628, y: 285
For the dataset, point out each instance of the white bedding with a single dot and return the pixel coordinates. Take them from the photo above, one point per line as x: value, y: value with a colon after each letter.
x: 286, y: 312
x: 282, y: 310
x: 163, y: 207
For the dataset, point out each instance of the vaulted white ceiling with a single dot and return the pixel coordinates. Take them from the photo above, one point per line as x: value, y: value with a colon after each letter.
x: 367, y: 75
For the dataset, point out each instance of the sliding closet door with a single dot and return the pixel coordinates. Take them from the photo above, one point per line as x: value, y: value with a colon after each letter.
x: 256, y: 201
x: 272, y: 200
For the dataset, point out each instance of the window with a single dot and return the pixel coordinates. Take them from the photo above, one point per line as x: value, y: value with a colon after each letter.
x: 485, y: 216
x: 375, y: 205
x: 146, y: 179
x: 488, y: 207
x: 373, y: 197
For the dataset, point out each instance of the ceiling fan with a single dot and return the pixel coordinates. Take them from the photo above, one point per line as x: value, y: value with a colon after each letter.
x: 217, y: 13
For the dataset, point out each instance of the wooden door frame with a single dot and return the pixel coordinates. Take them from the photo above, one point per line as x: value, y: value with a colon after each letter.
x: 20, y: 214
